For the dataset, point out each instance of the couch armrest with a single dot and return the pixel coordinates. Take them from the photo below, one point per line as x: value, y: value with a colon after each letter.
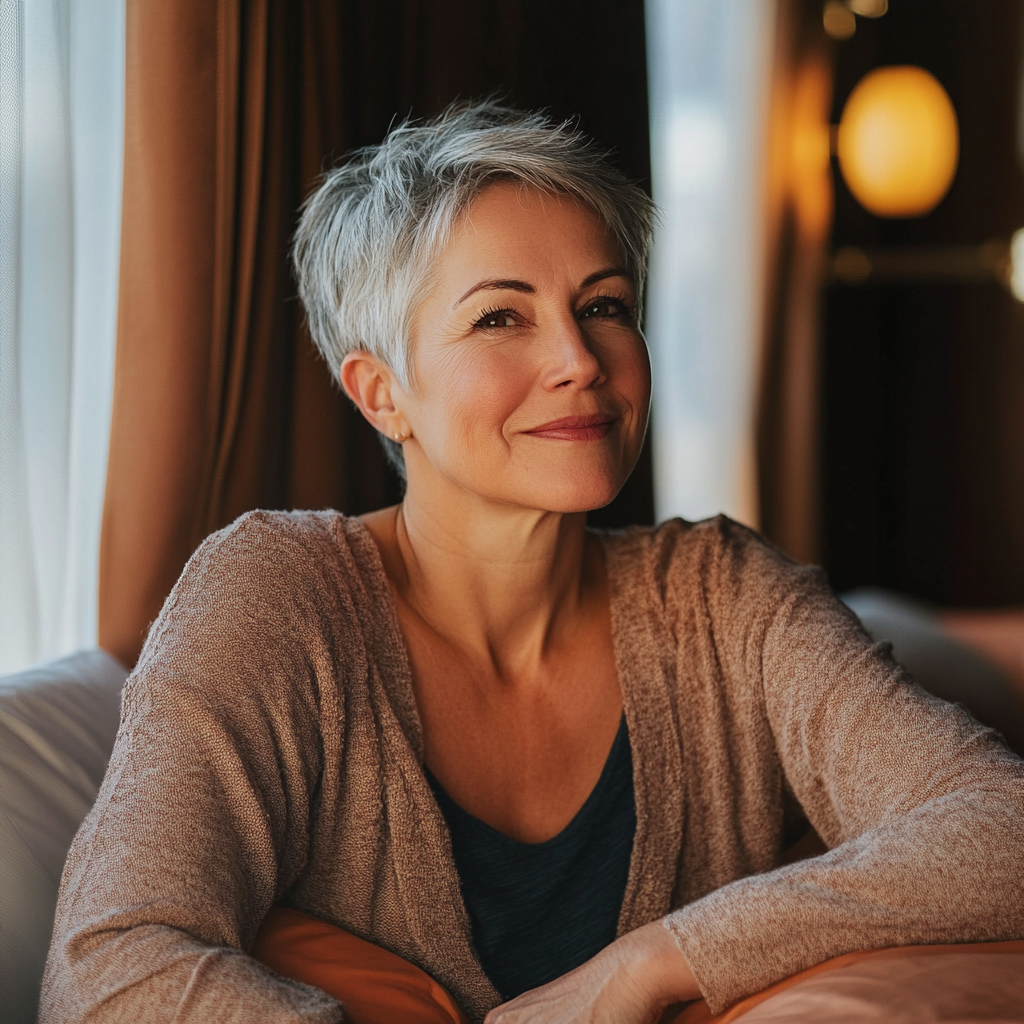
x: 58, y: 722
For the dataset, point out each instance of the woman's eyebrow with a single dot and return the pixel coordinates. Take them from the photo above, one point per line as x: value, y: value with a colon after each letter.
x: 600, y: 275
x: 497, y: 285
x: 522, y: 286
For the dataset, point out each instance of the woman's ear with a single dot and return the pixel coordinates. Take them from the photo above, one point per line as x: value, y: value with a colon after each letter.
x: 374, y: 388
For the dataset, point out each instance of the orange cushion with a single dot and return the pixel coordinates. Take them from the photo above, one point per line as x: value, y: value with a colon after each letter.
x: 931, y: 983
x: 375, y: 986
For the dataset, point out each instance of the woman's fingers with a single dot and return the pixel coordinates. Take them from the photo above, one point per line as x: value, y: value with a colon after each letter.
x: 629, y: 982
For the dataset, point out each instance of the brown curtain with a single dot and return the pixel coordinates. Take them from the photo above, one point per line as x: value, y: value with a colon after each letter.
x: 215, y: 386
x: 798, y: 222
x: 233, y: 107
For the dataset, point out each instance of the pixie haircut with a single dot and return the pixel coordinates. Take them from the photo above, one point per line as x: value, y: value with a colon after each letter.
x: 375, y: 225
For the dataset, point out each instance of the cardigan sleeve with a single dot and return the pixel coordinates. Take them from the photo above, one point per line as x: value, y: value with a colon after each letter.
x: 203, y: 817
x: 922, y: 808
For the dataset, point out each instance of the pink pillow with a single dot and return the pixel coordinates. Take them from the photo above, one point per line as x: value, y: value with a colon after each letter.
x: 954, y: 984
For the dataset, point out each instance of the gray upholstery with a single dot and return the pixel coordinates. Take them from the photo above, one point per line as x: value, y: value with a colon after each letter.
x: 57, y: 727
x: 939, y: 662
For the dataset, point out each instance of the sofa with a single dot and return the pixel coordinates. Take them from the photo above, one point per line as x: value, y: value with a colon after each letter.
x: 57, y: 728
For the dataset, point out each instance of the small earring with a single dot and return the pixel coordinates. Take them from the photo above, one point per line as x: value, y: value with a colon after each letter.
x: 400, y: 438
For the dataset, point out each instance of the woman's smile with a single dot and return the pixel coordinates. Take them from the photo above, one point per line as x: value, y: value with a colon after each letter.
x: 576, y: 428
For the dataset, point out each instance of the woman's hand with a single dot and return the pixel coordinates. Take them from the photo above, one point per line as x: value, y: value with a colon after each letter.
x: 629, y: 982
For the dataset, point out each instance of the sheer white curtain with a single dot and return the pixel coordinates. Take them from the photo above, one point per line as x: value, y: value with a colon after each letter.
x: 709, y: 72
x: 61, y: 146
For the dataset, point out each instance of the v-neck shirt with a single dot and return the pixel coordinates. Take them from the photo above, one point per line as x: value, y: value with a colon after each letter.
x: 538, y: 910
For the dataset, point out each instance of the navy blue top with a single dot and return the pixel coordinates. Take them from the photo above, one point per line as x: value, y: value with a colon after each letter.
x: 540, y: 909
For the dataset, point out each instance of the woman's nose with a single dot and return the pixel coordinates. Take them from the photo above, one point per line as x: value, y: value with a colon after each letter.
x: 570, y: 358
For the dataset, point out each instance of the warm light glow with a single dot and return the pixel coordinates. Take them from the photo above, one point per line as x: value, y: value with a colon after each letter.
x: 810, y: 172
x: 898, y: 142
x: 868, y: 8
x: 1017, y: 264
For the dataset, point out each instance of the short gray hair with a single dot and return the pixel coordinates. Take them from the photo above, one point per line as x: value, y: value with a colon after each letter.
x: 375, y: 224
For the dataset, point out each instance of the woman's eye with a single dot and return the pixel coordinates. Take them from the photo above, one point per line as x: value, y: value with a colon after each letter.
x: 497, y: 318
x: 605, y: 307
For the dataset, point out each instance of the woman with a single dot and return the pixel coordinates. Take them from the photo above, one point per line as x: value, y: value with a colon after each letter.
x: 552, y: 768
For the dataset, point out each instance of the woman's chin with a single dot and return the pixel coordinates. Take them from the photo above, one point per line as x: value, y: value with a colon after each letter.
x: 568, y: 486
x: 570, y: 496
x: 562, y: 486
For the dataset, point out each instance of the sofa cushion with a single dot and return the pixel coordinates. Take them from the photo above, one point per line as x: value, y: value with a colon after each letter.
x: 941, y: 663
x: 58, y: 722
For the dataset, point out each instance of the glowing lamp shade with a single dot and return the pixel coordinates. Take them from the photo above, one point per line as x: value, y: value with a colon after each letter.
x: 898, y: 142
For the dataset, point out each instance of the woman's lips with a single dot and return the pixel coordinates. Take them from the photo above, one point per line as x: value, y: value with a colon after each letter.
x: 576, y: 428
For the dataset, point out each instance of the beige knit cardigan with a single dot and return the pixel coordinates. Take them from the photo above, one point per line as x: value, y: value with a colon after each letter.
x: 270, y: 752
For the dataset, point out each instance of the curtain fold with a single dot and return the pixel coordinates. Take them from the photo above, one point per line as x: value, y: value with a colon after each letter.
x: 798, y: 221
x: 164, y: 372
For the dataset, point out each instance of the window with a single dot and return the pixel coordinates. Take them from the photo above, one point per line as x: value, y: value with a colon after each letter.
x: 61, y: 131
x: 709, y: 68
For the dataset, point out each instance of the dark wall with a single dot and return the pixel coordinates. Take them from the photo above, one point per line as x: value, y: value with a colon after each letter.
x: 923, y: 388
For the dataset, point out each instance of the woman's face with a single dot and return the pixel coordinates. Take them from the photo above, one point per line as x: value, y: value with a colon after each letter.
x: 531, y: 380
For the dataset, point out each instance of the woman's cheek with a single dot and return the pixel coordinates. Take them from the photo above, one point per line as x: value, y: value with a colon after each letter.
x: 630, y: 363
x: 485, y: 392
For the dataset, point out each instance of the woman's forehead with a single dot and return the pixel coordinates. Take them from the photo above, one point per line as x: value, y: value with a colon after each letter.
x: 512, y: 228
x: 516, y: 203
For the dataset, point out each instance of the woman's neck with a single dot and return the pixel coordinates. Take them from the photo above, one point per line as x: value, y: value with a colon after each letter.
x: 499, y: 582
